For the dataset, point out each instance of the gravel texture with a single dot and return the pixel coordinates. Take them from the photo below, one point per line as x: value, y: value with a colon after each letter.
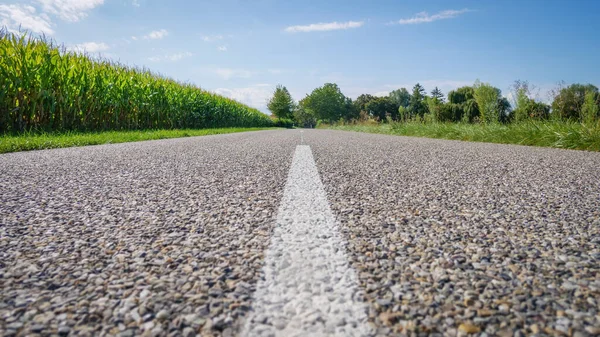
x: 150, y: 238
x: 308, y: 289
x: 452, y: 238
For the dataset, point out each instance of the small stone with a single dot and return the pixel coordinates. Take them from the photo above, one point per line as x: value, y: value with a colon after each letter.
x: 593, y: 330
x: 37, y: 328
x: 162, y: 315
x: 127, y: 333
x: 14, y: 326
x: 534, y: 328
x: 188, y: 332
x: 484, y: 312
x: 279, y: 324
x: 469, y: 328
x: 389, y: 318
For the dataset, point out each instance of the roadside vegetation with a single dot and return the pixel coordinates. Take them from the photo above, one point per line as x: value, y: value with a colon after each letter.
x: 473, y: 113
x: 47, y: 90
x: 40, y: 141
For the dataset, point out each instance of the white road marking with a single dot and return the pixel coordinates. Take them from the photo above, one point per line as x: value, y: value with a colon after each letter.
x: 309, y: 288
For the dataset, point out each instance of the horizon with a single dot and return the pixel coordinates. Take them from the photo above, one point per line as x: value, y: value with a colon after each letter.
x: 365, y: 48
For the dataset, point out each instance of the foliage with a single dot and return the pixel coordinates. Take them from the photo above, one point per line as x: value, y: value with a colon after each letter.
x: 568, y: 102
x: 417, y: 107
x: 281, y: 104
x: 461, y: 95
x: 382, y: 108
x: 327, y: 103
x: 40, y: 141
x: 304, y: 117
x: 287, y: 123
x: 590, y: 111
x: 401, y: 97
x: 45, y: 88
x: 437, y: 94
x: 487, y: 98
x: 360, y: 103
x: 565, y: 135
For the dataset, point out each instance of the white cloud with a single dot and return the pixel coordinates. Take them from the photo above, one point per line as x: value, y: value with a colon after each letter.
x: 157, y: 35
x: 135, y: 3
x: 319, y: 27
x: 255, y: 96
x: 69, y: 10
x: 222, y: 48
x: 212, y: 38
x: 25, y: 17
x: 424, y: 17
x: 89, y: 47
x: 228, y: 73
x: 171, y: 57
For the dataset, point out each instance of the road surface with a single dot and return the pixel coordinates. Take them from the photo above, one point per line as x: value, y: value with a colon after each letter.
x: 300, y: 233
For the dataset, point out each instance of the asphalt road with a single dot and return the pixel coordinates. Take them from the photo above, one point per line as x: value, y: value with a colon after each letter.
x: 170, y: 237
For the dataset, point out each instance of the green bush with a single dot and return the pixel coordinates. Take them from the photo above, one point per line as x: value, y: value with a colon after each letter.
x: 284, y: 123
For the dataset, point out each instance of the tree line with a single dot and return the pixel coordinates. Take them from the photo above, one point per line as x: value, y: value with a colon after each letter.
x: 479, y: 103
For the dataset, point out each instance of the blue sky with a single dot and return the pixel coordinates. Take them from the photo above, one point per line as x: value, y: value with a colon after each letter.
x: 244, y: 48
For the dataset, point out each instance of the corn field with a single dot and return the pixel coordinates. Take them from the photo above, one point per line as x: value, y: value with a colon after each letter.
x: 44, y: 88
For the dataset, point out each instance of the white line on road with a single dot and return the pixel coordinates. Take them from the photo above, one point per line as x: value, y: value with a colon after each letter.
x: 309, y: 288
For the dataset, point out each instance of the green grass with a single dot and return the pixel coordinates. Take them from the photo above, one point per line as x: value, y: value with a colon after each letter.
x: 28, y: 142
x: 564, y: 135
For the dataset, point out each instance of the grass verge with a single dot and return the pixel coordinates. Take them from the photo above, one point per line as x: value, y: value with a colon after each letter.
x: 533, y: 133
x: 27, y: 142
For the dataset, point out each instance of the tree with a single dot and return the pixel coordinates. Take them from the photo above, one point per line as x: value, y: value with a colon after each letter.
x: 281, y: 104
x: 464, y: 106
x: 437, y: 94
x: 417, y: 105
x: 569, y: 101
x: 360, y: 104
x: 327, y: 103
x: 382, y: 108
x: 488, y: 98
x: 304, y: 117
x: 401, y: 97
x: 461, y: 95
x: 525, y: 106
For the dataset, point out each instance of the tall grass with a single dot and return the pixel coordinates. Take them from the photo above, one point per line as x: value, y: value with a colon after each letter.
x: 558, y: 134
x: 44, y: 88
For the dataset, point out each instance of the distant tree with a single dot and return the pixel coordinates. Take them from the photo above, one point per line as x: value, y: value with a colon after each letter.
x: 304, y: 117
x: 401, y: 97
x: 417, y: 105
x: 470, y: 111
x: 525, y: 106
x: 504, y: 108
x: 463, y: 104
x: 569, y: 101
x: 437, y: 93
x: 383, y: 108
x: 488, y: 99
x: 350, y: 111
x: 360, y: 103
x: 435, y: 108
x: 281, y: 104
x: 461, y: 95
x: 327, y: 103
